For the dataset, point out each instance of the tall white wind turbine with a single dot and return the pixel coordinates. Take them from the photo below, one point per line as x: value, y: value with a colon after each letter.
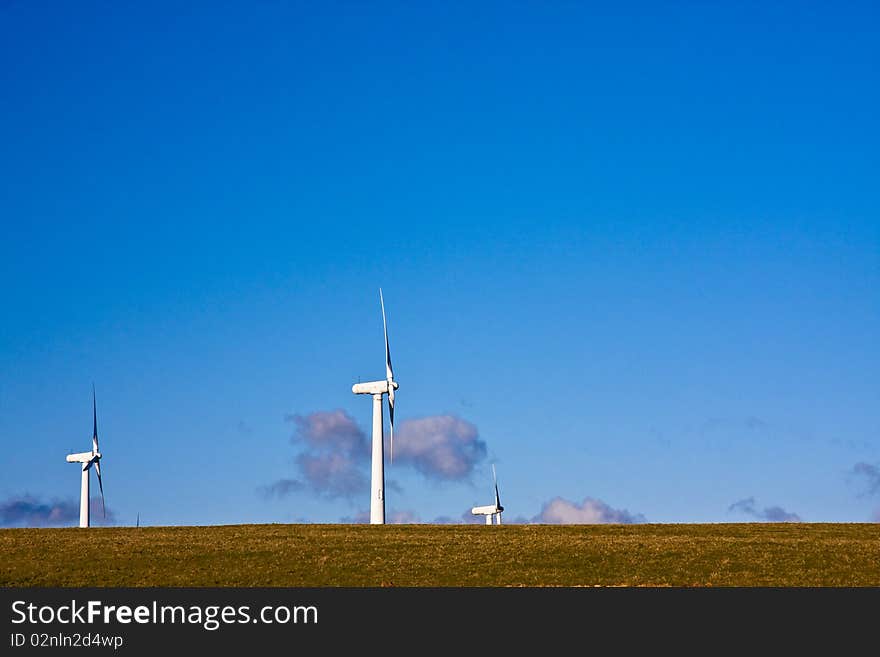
x: 88, y: 459
x: 491, y: 511
x: 377, y: 389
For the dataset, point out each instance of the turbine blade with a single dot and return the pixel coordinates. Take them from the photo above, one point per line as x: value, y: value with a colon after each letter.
x: 391, y: 419
x: 391, y: 402
x: 495, y: 481
x: 389, y: 371
x: 95, y: 419
x: 100, y: 485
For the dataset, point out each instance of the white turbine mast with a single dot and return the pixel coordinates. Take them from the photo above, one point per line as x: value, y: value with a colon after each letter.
x: 88, y: 459
x: 491, y: 511
x: 377, y: 389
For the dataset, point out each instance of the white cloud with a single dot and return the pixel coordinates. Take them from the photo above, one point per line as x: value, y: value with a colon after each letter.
x: 560, y: 511
x: 440, y: 447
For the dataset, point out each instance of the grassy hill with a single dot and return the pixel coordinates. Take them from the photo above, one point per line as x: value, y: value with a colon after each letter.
x: 748, y: 554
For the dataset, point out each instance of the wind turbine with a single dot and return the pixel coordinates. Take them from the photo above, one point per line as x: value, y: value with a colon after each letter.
x: 88, y: 459
x: 492, y: 510
x: 377, y: 389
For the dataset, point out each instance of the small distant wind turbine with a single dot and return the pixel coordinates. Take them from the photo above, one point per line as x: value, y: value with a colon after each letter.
x: 88, y: 459
x: 377, y: 389
x: 492, y: 510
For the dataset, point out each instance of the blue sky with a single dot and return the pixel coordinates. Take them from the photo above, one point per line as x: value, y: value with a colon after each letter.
x: 636, y: 248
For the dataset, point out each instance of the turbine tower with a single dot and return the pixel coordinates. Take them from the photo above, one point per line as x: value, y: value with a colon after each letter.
x: 491, y: 511
x: 377, y: 389
x: 87, y: 459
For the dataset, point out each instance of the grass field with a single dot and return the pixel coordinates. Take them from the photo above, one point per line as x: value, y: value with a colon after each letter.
x: 759, y: 554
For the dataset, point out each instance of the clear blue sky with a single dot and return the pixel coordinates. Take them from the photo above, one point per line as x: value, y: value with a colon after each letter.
x: 638, y: 247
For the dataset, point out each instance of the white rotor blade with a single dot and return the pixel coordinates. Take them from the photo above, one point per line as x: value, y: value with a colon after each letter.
x: 389, y: 372
x: 95, y: 425
x: 100, y: 485
x: 391, y: 418
x: 495, y: 481
x: 95, y: 460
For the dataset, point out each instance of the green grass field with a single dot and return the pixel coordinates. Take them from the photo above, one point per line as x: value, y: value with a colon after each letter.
x: 745, y: 554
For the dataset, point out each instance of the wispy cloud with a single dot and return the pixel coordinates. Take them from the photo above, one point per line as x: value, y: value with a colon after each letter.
x: 281, y: 488
x: 330, y: 430
x: 444, y: 520
x: 29, y: 511
x: 870, y: 475
x: 559, y: 511
x: 334, y: 450
x: 768, y: 514
x: 333, y: 475
x: 469, y: 518
x: 466, y: 518
x: 97, y: 513
x: 443, y: 447
x: 778, y: 514
x: 405, y: 517
x: 359, y: 518
x: 333, y: 461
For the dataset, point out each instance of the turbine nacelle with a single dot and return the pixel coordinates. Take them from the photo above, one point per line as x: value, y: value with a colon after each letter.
x: 374, y: 387
x: 486, y: 510
x: 83, y: 457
